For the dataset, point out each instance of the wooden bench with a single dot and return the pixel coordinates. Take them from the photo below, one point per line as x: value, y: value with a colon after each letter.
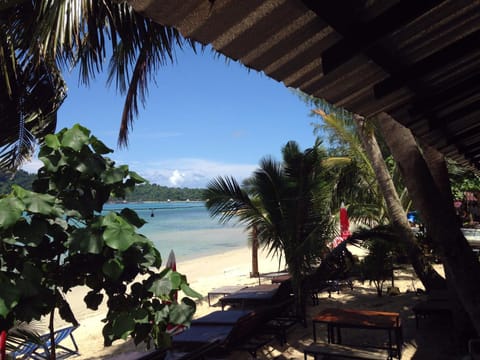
x: 344, y: 351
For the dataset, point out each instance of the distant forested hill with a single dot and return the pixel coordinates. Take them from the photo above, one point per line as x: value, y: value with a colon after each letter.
x: 21, y: 178
x: 147, y: 192
x: 154, y: 192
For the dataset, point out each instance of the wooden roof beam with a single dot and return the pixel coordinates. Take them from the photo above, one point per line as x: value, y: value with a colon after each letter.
x: 436, y: 101
x: 451, y: 53
x: 359, y: 36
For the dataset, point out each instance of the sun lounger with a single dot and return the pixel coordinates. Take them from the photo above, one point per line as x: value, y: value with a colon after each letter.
x: 32, y: 350
x: 222, y: 291
x: 224, y: 331
x: 230, y: 317
x: 25, y: 349
x: 254, y: 296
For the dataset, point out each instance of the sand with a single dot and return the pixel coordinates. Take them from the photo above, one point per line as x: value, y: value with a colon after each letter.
x: 203, y: 274
x: 233, y: 268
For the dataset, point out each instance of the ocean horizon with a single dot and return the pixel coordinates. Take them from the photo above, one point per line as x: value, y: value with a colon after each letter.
x: 185, y: 227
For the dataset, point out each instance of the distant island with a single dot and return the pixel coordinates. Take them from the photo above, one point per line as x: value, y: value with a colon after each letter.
x: 146, y: 192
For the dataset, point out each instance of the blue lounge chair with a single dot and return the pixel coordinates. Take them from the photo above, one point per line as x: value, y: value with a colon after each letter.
x: 31, y: 350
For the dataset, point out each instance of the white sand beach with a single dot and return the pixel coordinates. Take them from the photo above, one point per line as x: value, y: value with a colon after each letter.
x: 233, y: 268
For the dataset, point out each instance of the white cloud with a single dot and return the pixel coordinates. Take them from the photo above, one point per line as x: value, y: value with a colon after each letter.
x: 177, y: 178
x: 185, y: 172
x: 32, y: 166
x: 192, y: 173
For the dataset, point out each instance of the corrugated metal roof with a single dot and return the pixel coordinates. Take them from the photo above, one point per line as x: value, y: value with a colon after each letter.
x: 419, y: 61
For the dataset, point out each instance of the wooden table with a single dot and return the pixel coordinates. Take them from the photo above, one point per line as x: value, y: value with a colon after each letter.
x: 336, y: 319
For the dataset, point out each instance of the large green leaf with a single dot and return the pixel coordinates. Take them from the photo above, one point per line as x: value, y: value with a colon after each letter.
x: 141, y: 316
x: 76, y: 137
x: 176, y: 279
x: 118, y: 234
x: 115, y: 175
x: 36, y: 202
x: 161, y: 287
x: 11, y: 210
x: 123, y: 326
x: 85, y: 241
x: 89, y: 163
x: 187, y: 290
x: 99, y: 146
x: 161, y: 315
x: 52, y: 141
x: 182, y: 313
x: 9, y: 299
x: 136, y: 178
x: 132, y: 217
x: 113, y: 269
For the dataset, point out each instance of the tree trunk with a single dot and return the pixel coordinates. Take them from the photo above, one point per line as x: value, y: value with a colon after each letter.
x: 427, y: 275
x: 461, y: 265
x: 254, y: 272
x: 438, y: 168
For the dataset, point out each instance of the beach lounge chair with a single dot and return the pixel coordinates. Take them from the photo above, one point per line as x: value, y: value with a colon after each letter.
x: 31, y: 350
x: 220, y: 333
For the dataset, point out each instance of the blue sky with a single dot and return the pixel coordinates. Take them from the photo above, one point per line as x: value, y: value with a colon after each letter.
x: 203, y: 118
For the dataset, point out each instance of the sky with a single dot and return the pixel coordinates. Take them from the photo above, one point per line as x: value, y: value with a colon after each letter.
x: 203, y: 118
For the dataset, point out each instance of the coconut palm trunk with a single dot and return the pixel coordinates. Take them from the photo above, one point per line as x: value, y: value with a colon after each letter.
x: 461, y: 265
x: 425, y: 272
x: 255, y: 272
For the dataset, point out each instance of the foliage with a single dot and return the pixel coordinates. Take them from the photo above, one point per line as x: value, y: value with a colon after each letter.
x: 384, y: 247
x: 21, y: 178
x: 287, y: 203
x: 356, y: 183
x: 55, y: 238
x: 86, y: 33
x: 154, y: 192
x: 141, y: 192
x: 31, y: 90
x: 462, y: 179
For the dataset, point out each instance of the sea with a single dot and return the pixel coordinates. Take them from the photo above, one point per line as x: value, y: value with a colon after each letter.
x: 186, y: 228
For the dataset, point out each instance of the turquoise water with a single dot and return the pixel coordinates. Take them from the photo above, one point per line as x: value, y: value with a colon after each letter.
x: 185, y: 227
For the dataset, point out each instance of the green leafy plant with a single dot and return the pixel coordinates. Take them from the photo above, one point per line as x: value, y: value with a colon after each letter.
x: 56, y: 238
x: 384, y: 247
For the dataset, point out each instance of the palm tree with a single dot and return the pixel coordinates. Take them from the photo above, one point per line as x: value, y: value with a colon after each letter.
x: 379, y: 189
x: 41, y: 37
x: 31, y: 88
x: 355, y: 182
x: 288, y: 205
x: 430, y: 189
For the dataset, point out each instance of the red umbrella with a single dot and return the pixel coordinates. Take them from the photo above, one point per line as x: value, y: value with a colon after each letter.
x: 172, y: 264
x: 344, y: 223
